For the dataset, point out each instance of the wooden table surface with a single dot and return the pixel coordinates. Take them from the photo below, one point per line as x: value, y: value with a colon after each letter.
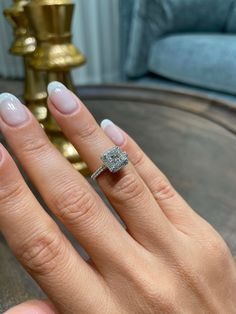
x: 190, y: 137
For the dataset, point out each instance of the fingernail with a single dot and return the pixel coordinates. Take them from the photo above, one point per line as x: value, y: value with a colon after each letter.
x: 11, y: 110
x: 113, y: 132
x: 62, y: 97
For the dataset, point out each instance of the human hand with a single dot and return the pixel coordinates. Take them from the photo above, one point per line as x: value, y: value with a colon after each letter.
x: 168, y: 260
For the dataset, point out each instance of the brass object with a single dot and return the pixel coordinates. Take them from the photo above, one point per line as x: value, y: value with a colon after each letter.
x: 54, y: 51
x: 24, y: 44
x: 43, y: 38
x: 35, y: 91
x: 50, y: 21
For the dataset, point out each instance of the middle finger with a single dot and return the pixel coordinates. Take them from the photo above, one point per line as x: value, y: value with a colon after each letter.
x: 126, y: 190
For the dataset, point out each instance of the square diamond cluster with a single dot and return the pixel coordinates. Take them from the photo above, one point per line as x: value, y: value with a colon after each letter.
x: 114, y: 159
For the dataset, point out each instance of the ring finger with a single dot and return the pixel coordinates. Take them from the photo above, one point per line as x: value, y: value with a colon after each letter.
x: 172, y: 204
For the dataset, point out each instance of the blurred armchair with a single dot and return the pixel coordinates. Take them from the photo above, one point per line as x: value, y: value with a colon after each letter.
x: 187, y: 42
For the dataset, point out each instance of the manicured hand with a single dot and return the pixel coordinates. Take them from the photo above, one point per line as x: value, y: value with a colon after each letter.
x: 166, y: 260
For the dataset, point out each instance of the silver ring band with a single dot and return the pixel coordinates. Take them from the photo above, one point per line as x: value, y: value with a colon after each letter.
x: 98, y: 172
x: 114, y: 159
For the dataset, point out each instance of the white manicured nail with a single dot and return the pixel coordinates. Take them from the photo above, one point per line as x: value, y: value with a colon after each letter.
x: 62, y: 97
x: 11, y: 110
x: 113, y: 132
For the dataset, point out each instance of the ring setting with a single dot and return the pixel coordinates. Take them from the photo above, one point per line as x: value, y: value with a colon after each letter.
x: 114, y: 159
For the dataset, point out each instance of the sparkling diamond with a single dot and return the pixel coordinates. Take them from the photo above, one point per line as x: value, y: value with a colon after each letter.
x: 114, y: 159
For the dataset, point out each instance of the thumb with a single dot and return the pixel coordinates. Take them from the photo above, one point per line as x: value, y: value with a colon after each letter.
x: 33, y: 307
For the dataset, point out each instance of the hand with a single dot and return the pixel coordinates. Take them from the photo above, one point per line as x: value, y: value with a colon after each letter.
x: 167, y: 260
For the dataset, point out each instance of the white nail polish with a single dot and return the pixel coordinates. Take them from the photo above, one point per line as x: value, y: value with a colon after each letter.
x: 105, y: 123
x: 11, y: 110
x: 62, y: 98
x: 54, y: 85
x: 113, y: 132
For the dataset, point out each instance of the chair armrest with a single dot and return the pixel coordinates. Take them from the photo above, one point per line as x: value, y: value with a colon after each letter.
x: 153, y: 19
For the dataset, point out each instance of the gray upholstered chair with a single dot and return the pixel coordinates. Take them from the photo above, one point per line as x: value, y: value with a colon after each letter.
x: 188, y: 43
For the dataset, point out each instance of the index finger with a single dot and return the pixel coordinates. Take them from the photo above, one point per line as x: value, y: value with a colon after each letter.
x: 40, y: 246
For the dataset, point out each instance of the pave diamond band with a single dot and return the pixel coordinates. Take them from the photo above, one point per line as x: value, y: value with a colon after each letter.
x: 113, y: 159
x: 98, y: 172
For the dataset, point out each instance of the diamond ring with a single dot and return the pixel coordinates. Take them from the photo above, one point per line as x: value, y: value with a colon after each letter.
x: 113, y: 159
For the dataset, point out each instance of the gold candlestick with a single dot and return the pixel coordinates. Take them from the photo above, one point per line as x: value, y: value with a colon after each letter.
x: 24, y: 44
x: 51, y: 23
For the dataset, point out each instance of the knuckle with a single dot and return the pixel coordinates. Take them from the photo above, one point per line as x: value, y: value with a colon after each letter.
x: 158, y: 299
x: 130, y: 186
x: 217, y: 248
x: 138, y: 159
x: 88, y: 130
x: 10, y: 192
x: 161, y: 302
x: 32, y: 146
x: 76, y: 206
x: 162, y: 189
x: 42, y: 253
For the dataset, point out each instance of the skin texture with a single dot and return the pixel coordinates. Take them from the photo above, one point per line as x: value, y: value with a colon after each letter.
x: 167, y: 259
